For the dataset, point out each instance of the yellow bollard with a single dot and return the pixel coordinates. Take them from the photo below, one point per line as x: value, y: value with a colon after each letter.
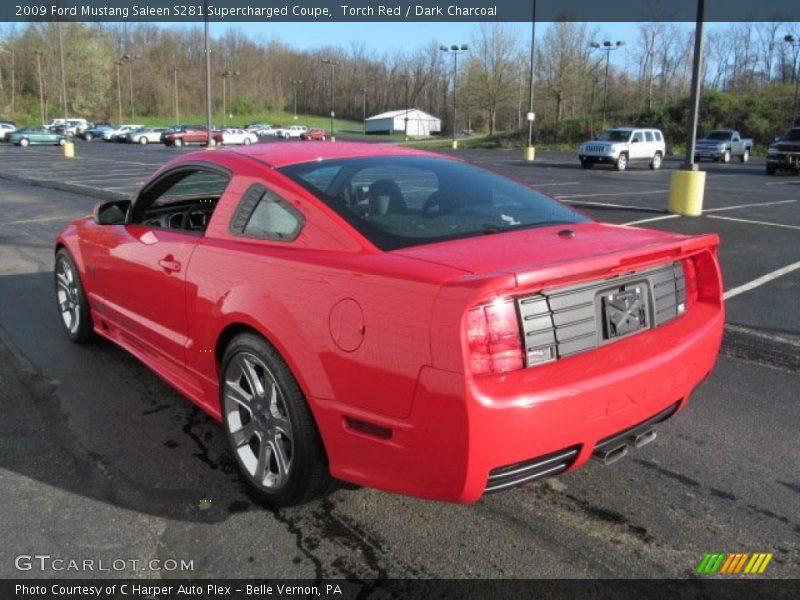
x: 529, y: 153
x: 686, y: 189
x: 69, y: 149
x: 455, y: 144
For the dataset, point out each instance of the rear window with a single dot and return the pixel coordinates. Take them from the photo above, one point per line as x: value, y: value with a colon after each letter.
x: 398, y: 202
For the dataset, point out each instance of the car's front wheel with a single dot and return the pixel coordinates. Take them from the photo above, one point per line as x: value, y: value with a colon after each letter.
x: 269, y: 425
x: 178, y: 142
x: 771, y: 169
x: 73, y: 307
x: 24, y: 142
x: 745, y: 155
x: 622, y: 162
x: 726, y: 156
x: 143, y: 141
x: 88, y: 137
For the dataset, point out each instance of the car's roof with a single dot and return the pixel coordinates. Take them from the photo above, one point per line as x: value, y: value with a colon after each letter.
x: 290, y: 153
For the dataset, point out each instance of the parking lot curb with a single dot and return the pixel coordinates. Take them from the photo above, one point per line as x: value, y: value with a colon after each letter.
x: 75, y: 188
x: 762, y: 347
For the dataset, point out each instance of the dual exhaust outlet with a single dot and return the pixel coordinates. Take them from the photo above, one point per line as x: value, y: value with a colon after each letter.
x: 613, y: 452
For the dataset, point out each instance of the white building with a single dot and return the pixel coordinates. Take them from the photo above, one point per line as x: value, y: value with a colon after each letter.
x: 420, y: 123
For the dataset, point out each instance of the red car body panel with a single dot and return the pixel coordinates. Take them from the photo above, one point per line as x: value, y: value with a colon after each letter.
x: 379, y: 337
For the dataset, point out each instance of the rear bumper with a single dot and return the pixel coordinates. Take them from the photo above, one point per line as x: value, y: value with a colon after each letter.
x: 463, y: 431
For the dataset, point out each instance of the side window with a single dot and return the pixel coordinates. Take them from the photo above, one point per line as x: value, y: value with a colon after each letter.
x: 181, y: 200
x: 648, y: 135
x: 637, y: 137
x: 263, y: 214
x: 658, y: 137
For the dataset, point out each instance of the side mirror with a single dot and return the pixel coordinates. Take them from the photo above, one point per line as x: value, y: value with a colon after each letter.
x: 114, y: 212
x: 634, y: 141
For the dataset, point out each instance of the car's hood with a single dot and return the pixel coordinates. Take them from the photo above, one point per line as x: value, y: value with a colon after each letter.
x: 788, y: 146
x: 590, y: 247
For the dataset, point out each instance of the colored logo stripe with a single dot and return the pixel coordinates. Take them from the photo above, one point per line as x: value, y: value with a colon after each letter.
x: 734, y: 563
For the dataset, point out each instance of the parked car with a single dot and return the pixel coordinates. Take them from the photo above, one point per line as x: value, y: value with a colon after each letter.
x: 343, y: 312
x: 6, y: 129
x: 258, y: 128
x: 623, y: 146
x: 293, y: 131
x: 231, y: 135
x: 95, y: 131
x: 722, y: 145
x: 784, y: 153
x: 73, y: 127
x: 270, y: 130
x: 146, y: 135
x: 314, y: 134
x: 36, y: 135
x: 111, y: 135
x: 191, y: 134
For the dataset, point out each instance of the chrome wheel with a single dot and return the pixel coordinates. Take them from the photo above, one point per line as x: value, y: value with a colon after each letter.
x: 68, y: 296
x: 257, y: 421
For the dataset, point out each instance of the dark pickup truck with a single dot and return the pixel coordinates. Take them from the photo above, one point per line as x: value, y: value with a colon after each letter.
x: 784, y: 153
x: 189, y: 134
x: 722, y: 145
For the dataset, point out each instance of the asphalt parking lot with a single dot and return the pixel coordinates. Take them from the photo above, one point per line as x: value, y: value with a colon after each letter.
x: 110, y: 463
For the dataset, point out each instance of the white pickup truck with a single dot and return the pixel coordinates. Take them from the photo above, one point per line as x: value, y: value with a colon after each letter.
x: 623, y: 146
x: 722, y: 145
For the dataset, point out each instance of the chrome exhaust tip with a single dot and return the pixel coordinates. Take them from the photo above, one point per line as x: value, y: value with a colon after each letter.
x: 608, y: 457
x: 642, y: 439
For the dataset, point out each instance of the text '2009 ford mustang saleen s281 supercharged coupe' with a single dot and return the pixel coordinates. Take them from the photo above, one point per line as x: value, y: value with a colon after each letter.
x: 393, y: 318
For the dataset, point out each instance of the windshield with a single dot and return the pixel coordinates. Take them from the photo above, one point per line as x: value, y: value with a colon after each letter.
x: 397, y: 202
x: 614, y: 135
x: 793, y: 135
x: 719, y: 135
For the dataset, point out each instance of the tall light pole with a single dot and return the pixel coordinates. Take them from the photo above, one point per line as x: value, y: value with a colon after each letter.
x: 405, y: 78
x: 364, y: 110
x: 228, y: 76
x: 332, y: 64
x: 41, y: 85
x: 455, y: 50
x: 207, y: 50
x: 530, y: 151
x: 794, y: 43
x: 69, y: 148
x: 607, y: 47
x: 295, y: 83
x: 119, y: 62
x: 175, y: 81
x: 130, y: 59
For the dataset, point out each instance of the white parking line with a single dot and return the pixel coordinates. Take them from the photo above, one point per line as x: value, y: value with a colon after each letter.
x: 753, y: 222
x: 41, y: 220
x: 749, y: 205
x: 555, y: 184
x: 641, y: 193
x: 661, y: 218
x: 607, y: 205
x: 761, y: 280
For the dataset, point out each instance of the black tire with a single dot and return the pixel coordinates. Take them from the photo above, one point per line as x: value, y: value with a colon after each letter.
x: 308, y: 476
x: 622, y: 162
x: 247, y: 141
x: 656, y: 162
x: 745, y: 155
x: 771, y: 170
x: 143, y: 140
x: 726, y: 156
x: 24, y: 142
x: 88, y: 137
x: 587, y: 164
x: 71, y: 298
x: 178, y: 142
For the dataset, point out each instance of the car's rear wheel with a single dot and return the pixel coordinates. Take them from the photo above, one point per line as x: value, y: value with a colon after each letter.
x: 656, y: 162
x: 269, y: 425
x: 24, y: 142
x: 726, y: 156
x: 622, y: 162
x: 73, y: 306
x: 88, y: 137
x: 745, y: 155
x: 143, y: 140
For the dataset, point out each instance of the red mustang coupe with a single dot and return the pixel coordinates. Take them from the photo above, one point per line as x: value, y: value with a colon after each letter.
x: 393, y: 318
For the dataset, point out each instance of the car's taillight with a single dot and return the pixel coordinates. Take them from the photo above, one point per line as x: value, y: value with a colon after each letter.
x: 493, y: 338
x: 690, y: 277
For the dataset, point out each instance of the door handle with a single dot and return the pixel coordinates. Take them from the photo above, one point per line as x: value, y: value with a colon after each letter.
x: 169, y: 264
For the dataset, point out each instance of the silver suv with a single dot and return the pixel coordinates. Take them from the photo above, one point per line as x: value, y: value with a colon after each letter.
x: 623, y: 146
